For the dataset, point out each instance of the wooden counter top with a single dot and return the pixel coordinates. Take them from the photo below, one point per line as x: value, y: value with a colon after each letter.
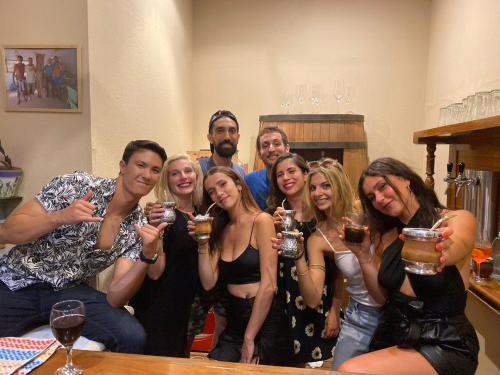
x: 488, y: 292
x: 119, y: 363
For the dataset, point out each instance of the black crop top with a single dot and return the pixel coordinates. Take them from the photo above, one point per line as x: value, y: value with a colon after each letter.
x: 243, y: 270
x: 443, y: 293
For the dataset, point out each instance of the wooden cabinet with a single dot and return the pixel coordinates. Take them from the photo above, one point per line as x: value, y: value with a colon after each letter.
x: 340, y: 136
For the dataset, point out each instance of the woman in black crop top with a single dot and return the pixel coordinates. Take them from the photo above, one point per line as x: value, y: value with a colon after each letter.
x: 163, y: 302
x: 239, y: 252
x: 423, y: 328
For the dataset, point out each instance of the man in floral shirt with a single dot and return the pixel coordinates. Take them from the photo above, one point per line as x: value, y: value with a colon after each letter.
x: 77, y: 226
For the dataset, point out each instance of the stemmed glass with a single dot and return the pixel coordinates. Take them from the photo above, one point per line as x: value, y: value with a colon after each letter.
x: 66, y: 320
x: 300, y: 95
x: 316, y: 91
x: 338, y: 91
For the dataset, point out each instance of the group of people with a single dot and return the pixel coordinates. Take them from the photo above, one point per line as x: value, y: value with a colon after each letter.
x: 29, y: 79
x: 270, y: 309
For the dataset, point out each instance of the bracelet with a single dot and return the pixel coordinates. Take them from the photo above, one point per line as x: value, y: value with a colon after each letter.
x: 302, y: 273
x: 317, y: 267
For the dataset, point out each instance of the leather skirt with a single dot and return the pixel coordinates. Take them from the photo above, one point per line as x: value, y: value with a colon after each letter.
x: 449, y: 343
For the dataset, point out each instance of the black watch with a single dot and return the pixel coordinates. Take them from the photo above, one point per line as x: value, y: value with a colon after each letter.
x: 143, y: 258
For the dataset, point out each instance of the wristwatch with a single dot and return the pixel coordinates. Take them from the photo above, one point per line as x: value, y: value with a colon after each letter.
x: 143, y: 258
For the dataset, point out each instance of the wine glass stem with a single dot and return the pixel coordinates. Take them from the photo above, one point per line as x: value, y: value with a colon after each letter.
x: 479, y: 271
x: 69, y: 356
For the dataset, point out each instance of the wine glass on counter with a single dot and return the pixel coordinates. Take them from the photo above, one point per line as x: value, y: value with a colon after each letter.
x: 66, y: 320
x: 338, y: 91
x: 300, y: 95
x: 316, y: 92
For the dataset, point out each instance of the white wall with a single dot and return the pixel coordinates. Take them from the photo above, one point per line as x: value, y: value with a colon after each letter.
x: 140, y: 68
x: 464, y: 57
x: 246, y: 52
x: 46, y: 144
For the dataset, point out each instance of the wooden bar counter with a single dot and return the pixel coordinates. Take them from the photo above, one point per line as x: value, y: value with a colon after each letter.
x: 118, y: 363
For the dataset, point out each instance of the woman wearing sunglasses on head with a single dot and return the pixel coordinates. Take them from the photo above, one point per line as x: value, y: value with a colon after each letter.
x: 331, y: 198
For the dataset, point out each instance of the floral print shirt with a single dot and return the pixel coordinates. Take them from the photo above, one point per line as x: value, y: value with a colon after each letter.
x: 68, y: 255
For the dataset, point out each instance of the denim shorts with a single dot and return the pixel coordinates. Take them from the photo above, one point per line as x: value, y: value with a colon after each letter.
x: 356, y: 332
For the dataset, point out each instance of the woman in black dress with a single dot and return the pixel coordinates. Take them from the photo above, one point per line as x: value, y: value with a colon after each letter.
x: 163, y: 303
x: 423, y: 328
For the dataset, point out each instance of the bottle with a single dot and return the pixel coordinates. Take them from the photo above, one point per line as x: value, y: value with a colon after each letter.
x: 496, y: 257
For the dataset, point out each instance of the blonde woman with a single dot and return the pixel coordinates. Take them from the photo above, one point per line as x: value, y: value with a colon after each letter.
x: 163, y: 303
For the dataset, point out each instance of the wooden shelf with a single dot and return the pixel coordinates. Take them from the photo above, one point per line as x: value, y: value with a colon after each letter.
x: 473, y: 142
x: 457, y: 133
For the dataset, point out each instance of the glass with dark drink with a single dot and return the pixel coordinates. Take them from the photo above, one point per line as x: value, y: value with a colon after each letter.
x: 66, y: 320
x: 354, y: 229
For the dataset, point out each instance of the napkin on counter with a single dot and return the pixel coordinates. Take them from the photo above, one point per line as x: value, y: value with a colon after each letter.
x: 20, y: 355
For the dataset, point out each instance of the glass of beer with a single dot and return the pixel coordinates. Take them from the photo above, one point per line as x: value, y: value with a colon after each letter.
x: 66, y: 320
x: 203, y: 227
x: 480, y: 254
x: 419, y: 250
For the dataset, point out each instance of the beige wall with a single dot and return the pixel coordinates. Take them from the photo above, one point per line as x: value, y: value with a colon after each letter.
x: 46, y: 144
x: 464, y: 57
x: 140, y: 68
x: 246, y: 52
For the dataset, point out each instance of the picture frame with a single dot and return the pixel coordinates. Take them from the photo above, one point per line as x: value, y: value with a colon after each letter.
x: 50, y: 80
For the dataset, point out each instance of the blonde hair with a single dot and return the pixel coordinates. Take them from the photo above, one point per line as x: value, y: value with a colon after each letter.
x: 162, y: 189
x: 344, y: 197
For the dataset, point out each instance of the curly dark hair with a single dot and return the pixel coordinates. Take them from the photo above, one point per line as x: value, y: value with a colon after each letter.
x: 384, y: 167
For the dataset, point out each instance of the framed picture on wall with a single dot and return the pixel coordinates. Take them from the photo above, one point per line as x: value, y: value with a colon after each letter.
x: 42, y: 79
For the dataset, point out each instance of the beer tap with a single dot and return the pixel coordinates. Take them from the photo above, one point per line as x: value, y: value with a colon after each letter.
x: 461, y: 180
x: 449, y: 178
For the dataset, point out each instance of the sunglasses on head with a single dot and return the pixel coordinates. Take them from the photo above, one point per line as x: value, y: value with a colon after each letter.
x: 323, y: 163
x: 222, y: 113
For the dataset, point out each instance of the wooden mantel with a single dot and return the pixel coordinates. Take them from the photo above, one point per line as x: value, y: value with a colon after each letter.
x: 476, y: 143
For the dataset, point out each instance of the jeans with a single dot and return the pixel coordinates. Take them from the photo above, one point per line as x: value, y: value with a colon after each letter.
x: 358, y: 327
x: 27, y: 308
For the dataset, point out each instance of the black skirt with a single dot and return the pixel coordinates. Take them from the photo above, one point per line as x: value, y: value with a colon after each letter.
x: 449, y: 343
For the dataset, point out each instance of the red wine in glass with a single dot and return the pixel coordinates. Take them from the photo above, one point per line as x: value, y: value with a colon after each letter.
x: 66, y: 320
x: 67, y: 328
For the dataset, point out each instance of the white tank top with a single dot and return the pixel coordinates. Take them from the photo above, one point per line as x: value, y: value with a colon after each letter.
x: 348, y: 264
